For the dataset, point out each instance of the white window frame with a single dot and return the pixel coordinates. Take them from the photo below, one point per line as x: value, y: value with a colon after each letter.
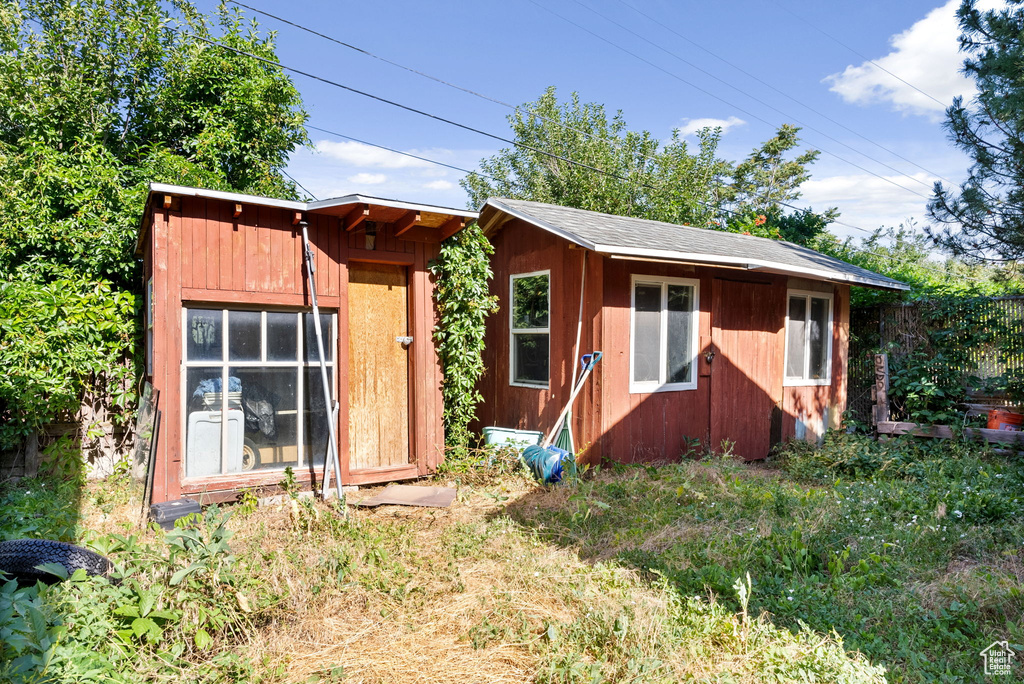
x: 650, y: 386
x: 804, y: 381
x: 300, y: 365
x: 513, y: 331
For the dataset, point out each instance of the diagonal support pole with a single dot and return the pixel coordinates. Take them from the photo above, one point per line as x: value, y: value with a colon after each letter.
x: 330, y: 408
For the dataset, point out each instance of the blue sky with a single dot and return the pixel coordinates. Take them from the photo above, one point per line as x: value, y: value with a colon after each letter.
x: 749, y: 66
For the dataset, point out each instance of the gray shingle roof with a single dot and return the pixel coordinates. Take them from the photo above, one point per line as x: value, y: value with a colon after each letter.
x: 623, y: 236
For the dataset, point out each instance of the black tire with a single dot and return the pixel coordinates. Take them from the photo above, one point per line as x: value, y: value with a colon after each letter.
x: 19, y: 558
x: 250, y: 455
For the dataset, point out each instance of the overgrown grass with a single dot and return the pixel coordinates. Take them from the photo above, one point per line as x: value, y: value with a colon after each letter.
x: 911, y: 551
x: 470, y: 594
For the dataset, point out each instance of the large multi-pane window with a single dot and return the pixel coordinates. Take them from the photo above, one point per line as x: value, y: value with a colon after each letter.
x: 273, y: 413
x: 663, y: 334
x: 530, y: 334
x: 809, y: 339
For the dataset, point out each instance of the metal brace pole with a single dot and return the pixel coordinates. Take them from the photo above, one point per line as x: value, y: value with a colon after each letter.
x: 332, y: 445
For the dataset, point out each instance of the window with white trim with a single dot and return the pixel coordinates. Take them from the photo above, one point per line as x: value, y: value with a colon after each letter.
x: 529, y: 320
x: 274, y: 406
x: 808, y: 338
x: 663, y: 334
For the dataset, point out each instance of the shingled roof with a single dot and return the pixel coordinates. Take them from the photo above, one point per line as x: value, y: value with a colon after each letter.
x: 623, y: 237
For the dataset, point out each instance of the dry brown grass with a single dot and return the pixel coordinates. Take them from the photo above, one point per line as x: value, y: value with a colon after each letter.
x: 464, y: 594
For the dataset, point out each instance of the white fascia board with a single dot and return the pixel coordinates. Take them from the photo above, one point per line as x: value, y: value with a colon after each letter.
x: 163, y: 188
x: 543, y: 225
x: 711, y: 260
x: 394, y: 204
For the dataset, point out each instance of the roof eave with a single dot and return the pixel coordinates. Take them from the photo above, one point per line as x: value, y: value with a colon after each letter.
x: 750, y: 264
x: 544, y: 225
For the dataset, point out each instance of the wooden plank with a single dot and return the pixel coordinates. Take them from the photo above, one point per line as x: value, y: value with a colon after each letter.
x: 410, y: 220
x: 263, y: 263
x: 198, y: 295
x: 212, y: 243
x: 946, y: 432
x: 188, y: 249
x: 356, y: 217
x: 452, y: 226
x: 250, y: 228
x: 225, y: 227
x: 378, y: 382
x: 363, y: 256
x: 238, y: 253
x: 881, y: 393
x: 278, y: 263
x: 419, y: 402
x: 341, y: 352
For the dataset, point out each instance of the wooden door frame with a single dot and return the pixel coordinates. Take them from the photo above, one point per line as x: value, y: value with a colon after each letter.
x: 390, y: 473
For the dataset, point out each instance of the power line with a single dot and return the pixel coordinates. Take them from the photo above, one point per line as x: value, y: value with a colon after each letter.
x: 779, y: 91
x: 859, y: 54
x: 720, y: 99
x: 510, y: 142
x: 531, y: 113
x: 304, y: 189
x: 404, y: 154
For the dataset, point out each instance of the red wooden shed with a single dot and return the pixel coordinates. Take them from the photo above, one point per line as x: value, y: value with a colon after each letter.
x: 707, y: 335
x: 228, y: 307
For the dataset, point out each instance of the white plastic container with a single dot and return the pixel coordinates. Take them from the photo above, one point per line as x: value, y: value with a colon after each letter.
x: 202, y: 452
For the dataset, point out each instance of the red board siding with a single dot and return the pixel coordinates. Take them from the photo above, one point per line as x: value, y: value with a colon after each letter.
x: 739, y: 395
x: 205, y: 254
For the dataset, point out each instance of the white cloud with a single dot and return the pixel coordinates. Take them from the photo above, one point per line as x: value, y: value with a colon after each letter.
x: 358, y: 154
x: 925, y: 55
x: 439, y: 185
x: 367, y: 179
x: 691, y: 126
x: 868, y: 202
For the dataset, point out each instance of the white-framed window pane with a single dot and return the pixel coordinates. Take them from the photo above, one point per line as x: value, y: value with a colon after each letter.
x: 203, y: 335
x: 795, y: 337
x: 817, y: 338
x: 282, y: 336
x: 531, y: 358
x: 646, y: 332
x: 270, y: 407
x: 530, y: 301
x: 274, y: 401
x: 316, y: 414
x: 309, y: 330
x: 244, y: 336
x: 679, y: 314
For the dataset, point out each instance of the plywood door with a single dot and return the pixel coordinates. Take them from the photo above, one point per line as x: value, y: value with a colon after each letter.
x: 746, y: 320
x: 378, y: 379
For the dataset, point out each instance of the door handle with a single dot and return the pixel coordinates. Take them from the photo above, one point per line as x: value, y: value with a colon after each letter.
x: 404, y: 341
x: 709, y: 355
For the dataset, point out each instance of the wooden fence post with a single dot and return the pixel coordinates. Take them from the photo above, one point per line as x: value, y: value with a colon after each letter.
x: 880, y: 392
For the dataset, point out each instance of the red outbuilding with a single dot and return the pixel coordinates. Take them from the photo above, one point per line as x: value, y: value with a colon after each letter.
x: 228, y: 307
x: 708, y: 336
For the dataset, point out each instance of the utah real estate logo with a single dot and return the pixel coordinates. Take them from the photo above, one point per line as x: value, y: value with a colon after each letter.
x: 997, y: 658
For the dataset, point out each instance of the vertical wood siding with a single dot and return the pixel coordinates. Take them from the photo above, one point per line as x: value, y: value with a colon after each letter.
x: 739, y: 395
x: 204, y: 255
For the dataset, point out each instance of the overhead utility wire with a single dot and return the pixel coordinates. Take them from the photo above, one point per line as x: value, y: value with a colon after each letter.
x: 742, y: 92
x: 407, y: 108
x: 720, y: 99
x: 531, y: 113
x: 859, y: 54
x: 449, y: 166
x: 779, y: 91
x: 469, y: 128
x: 404, y: 154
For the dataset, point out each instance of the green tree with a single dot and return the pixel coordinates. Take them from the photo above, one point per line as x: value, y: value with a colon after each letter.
x: 984, y: 218
x: 767, y: 179
x: 97, y: 99
x: 616, y: 170
x: 631, y: 173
